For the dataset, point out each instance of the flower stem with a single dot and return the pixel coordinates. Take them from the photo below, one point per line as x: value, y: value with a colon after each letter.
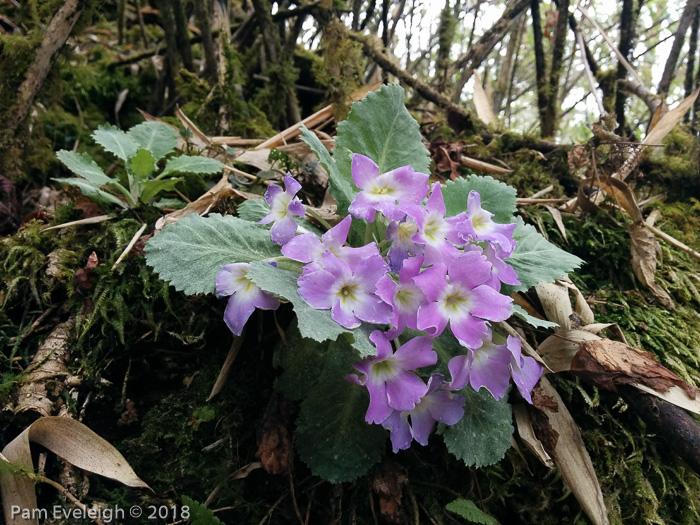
x: 318, y: 218
x: 369, y: 229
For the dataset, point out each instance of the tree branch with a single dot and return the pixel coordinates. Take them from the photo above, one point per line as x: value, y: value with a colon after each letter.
x: 691, y: 8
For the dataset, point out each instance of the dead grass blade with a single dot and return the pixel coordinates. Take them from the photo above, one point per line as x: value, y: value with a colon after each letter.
x: 480, y: 165
x: 644, y: 248
x: 70, y: 440
x: 556, y: 215
x: 484, y: 110
x: 561, y: 438
x: 226, y: 368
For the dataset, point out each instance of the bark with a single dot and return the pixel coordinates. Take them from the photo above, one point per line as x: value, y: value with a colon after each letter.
x: 55, y: 37
x: 203, y: 14
x: 172, y: 54
x: 690, y: 65
x: 549, y: 122
x: 445, y: 39
x: 521, y: 31
x: 183, y: 40
x: 504, y: 76
x: 691, y: 8
x: 650, y: 99
x: 368, y: 16
x: 626, y: 37
x: 476, y: 54
x: 540, y: 64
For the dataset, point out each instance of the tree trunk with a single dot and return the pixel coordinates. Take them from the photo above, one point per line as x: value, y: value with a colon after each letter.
x: 550, y: 115
x: 690, y: 64
x: 540, y: 64
x: 504, y: 76
x: 691, y: 8
x: 203, y: 14
x: 627, y: 25
x: 183, y: 40
x: 55, y: 37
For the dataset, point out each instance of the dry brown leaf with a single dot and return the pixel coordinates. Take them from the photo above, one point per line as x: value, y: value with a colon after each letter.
x: 561, y: 438
x: 607, y: 364
x: 671, y: 119
x: 73, y: 442
x: 644, y: 248
x: 523, y: 424
x: 555, y: 303
x: 484, y: 110
x: 556, y: 215
x: 558, y: 350
x: 226, y: 368
x: 617, y: 189
x: 657, y: 116
x: 581, y: 307
x: 257, y: 158
x: 198, y: 138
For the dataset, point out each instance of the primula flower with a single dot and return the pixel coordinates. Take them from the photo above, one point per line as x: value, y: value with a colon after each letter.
x: 246, y: 296
x: 401, y: 235
x: 390, y: 384
x: 405, y: 297
x: 283, y: 206
x: 458, y: 294
x: 435, y: 231
x: 501, y: 272
x: 480, y: 227
x: 381, y: 192
x: 309, y: 248
x: 435, y: 406
x: 348, y: 293
x: 492, y: 366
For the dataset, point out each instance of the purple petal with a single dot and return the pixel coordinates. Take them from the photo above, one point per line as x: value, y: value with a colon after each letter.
x: 415, y: 353
x: 489, y: 304
x: 362, y: 207
x: 290, y: 185
x: 338, y: 234
x: 344, y: 316
x: 370, y: 270
x: 469, y: 331
x: 422, y: 424
x: 390, y: 210
x: 296, y: 207
x: 405, y: 390
x: 459, y: 367
x: 469, y: 269
x: 431, y: 320
x: 372, y: 309
x: 432, y: 281
x: 265, y: 301
x: 384, y: 349
x: 446, y: 407
x: 316, y: 288
x: 412, y: 186
x: 355, y: 256
x: 238, y: 310
x: 272, y: 191
x: 283, y: 231
x: 305, y: 248
x: 401, y: 436
x: 411, y: 268
x: 528, y: 376
x: 364, y: 170
x: 379, y: 408
x: 490, y: 369
x: 231, y: 278
x: 435, y: 201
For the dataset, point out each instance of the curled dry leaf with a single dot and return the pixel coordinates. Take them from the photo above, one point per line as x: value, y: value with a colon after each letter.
x: 73, y: 442
x: 644, y: 248
x: 556, y: 215
x: 561, y: 438
x: 523, y: 424
x: 558, y: 350
x: 484, y: 110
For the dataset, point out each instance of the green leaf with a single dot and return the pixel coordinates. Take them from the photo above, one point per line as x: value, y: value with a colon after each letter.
x: 188, y: 254
x: 115, y: 141
x: 142, y: 164
x: 82, y: 164
x: 496, y: 197
x: 380, y: 127
x: 313, y: 324
x: 342, y: 188
x: 468, y: 510
x: 199, y: 513
x: 255, y: 209
x: 94, y: 192
x: 332, y: 437
x: 192, y: 164
x: 151, y: 188
x: 299, y: 360
x: 157, y: 137
x: 531, y: 320
x: 536, y: 260
x: 483, y: 435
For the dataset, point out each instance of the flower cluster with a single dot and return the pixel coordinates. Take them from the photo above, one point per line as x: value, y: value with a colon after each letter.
x: 433, y: 273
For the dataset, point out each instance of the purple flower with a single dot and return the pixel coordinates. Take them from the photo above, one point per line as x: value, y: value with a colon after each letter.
x: 458, y: 294
x: 309, y: 248
x: 283, y: 206
x: 401, y: 234
x: 390, y: 384
x: 246, y: 296
x: 492, y: 366
x: 436, y: 405
x: 501, y: 272
x: 434, y: 230
x: 381, y: 192
x: 405, y: 297
x: 348, y: 293
x: 480, y: 227
x: 526, y: 372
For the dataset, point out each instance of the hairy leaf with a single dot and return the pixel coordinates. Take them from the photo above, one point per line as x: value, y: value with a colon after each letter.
x: 142, y: 164
x: 380, y: 127
x: 157, y: 137
x: 496, y: 197
x: 188, y: 253
x: 342, y: 188
x: 299, y: 360
x: 468, y: 510
x: 536, y: 260
x: 83, y: 165
x: 115, y: 141
x: 94, y: 192
x: 332, y: 437
x: 255, y: 209
x: 192, y: 164
x: 151, y: 188
x: 483, y: 435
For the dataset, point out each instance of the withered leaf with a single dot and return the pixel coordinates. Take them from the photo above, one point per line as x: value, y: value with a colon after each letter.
x: 644, y: 247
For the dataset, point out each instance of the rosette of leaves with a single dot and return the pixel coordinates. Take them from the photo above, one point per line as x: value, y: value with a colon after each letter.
x: 332, y: 437
x: 145, y: 151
